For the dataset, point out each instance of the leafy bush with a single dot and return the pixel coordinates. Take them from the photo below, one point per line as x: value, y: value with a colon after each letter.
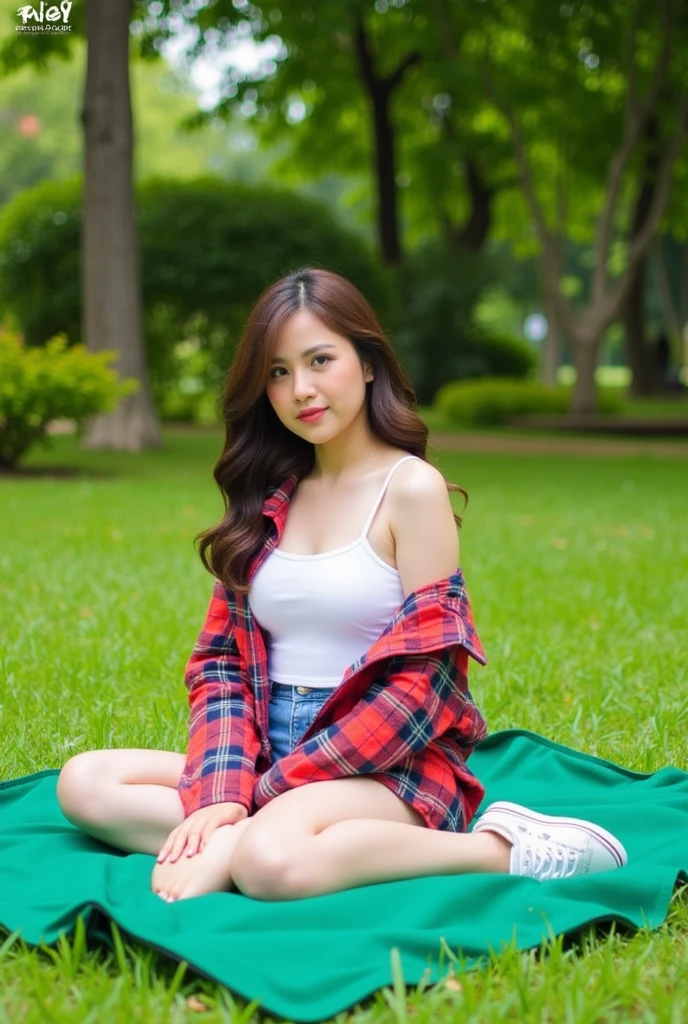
x: 208, y: 248
x: 485, y: 355
x: 42, y: 384
x: 493, y: 401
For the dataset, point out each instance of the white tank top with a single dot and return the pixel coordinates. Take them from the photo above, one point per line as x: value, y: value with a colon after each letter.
x: 322, y: 612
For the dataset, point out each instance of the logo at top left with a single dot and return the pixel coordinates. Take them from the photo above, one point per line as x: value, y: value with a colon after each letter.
x: 45, y: 17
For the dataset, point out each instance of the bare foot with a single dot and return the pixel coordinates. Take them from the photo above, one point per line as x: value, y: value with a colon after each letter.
x: 209, y: 871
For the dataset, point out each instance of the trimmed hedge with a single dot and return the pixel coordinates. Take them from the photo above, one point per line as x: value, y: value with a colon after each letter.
x: 494, y: 400
x: 488, y: 355
x: 208, y: 248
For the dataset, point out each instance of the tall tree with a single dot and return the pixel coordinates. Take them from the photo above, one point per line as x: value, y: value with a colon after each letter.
x: 111, y: 298
x: 360, y: 85
x: 637, y: 56
x: 380, y: 90
x: 111, y: 284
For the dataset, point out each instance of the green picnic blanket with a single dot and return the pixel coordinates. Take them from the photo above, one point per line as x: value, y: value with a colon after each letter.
x: 309, y: 959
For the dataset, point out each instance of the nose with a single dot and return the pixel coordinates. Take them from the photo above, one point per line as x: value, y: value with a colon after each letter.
x: 303, y: 386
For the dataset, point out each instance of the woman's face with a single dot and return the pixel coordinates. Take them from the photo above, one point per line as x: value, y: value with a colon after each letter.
x: 315, y: 369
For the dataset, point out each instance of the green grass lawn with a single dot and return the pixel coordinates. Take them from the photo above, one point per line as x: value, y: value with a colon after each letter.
x: 577, y: 574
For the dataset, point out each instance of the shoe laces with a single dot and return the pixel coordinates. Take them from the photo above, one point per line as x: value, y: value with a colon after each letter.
x: 545, y: 860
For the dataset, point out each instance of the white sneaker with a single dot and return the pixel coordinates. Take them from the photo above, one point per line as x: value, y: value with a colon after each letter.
x: 546, y: 847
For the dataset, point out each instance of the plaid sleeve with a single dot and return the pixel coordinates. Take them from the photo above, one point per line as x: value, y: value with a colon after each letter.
x: 223, y: 742
x: 420, y: 698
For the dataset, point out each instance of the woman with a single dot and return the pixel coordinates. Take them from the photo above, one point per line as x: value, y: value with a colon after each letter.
x: 330, y: 716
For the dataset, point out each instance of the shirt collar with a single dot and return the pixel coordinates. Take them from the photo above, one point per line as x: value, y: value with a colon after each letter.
x: 277, y: 500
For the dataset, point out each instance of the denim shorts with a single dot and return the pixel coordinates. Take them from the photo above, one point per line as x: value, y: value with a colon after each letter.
x: 292, y: 709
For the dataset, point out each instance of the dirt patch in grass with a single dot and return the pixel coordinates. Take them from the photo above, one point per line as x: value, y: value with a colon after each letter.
x: 522, y: 444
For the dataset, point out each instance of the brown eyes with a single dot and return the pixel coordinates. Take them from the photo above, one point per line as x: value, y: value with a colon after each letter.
x: 275, y: 373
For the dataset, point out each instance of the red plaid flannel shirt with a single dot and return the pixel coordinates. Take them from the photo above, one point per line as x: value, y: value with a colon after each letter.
x: 402, y: 714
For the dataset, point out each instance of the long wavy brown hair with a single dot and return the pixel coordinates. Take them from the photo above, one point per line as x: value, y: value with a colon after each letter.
x: 259, y: 452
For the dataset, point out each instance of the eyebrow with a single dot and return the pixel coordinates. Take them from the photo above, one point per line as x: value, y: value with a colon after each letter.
x: 308, y: 352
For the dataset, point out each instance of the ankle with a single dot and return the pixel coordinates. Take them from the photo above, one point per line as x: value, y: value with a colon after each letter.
x: 494, y: 852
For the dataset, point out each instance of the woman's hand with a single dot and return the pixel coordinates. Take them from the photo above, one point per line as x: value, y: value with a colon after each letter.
x: 190, y: 837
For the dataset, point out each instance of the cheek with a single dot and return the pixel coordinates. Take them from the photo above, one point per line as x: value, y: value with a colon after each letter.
x: 275, y: 396
x: 346, y: 380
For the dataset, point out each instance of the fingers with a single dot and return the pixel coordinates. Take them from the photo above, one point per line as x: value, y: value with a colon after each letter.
x: 174, y: 845
x: 192, y: 836
x: 195, y: 842
x: 181, y: 840
x: 165, y: 849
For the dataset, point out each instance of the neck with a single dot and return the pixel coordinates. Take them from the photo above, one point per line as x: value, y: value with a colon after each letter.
x: 347, y: 454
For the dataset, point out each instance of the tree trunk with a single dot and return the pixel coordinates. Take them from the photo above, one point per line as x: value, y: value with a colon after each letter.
x: 473, y: 233
x: 667, y: 303
x: 683, y: 312
x: 584, y: 352
x: 638, y: 352
x: 385, y: 171
x: 110, y: 279
x: 551, y: 347
x: 638, y: 355
x: 380, y: 90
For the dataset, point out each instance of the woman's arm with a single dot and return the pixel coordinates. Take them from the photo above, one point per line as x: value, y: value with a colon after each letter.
x: 223, y: 742
x: 426, y: 538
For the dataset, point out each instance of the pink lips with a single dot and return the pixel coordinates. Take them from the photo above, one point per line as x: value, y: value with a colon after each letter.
x: 312, y: 417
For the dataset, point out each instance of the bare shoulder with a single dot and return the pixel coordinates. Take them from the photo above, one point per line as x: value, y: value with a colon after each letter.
x: 422, y: 522
x: 418, y: 481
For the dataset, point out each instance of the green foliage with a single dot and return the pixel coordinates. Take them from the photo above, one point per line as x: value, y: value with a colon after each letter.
x: 493, y: 401
x: 42, y: 384
x: 42, y: 136
x: 208, y: 249
x: 495, y: 356
x: 436, y: 331
x: 39, y: 260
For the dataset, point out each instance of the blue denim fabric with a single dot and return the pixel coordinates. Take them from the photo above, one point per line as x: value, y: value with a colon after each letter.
x: 291, y: 712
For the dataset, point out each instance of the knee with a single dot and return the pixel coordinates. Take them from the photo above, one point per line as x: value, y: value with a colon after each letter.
x: 266, y: 868
x: 80, y: 788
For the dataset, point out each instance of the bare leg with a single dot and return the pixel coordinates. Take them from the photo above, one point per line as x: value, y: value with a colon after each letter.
x: 360, y: 851
x: 329, y: 836
x: 127, y: 798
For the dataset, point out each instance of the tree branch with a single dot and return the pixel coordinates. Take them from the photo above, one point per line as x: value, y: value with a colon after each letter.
x: 642, y: 240
x: 366, y: 63
x: 526, y: 175
x: 636, y: 115
x: 393, y: 80
x: 365, y: 57
x: 639, y: 113
x: 550, y: 241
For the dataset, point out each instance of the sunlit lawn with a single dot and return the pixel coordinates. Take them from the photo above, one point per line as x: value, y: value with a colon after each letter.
x: 577, y: 573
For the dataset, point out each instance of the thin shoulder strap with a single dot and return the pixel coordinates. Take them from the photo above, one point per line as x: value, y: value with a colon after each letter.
x: 381, y: 495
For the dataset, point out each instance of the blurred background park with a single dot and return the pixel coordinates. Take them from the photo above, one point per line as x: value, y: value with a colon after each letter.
x: 507, y: 183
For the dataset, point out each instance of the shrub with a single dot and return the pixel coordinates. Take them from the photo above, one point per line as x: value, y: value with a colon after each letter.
x: 41, y: 384
x: 481, y: 355
x: 208, y: 248
x: 504, y: 357
x: 493, y: 401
